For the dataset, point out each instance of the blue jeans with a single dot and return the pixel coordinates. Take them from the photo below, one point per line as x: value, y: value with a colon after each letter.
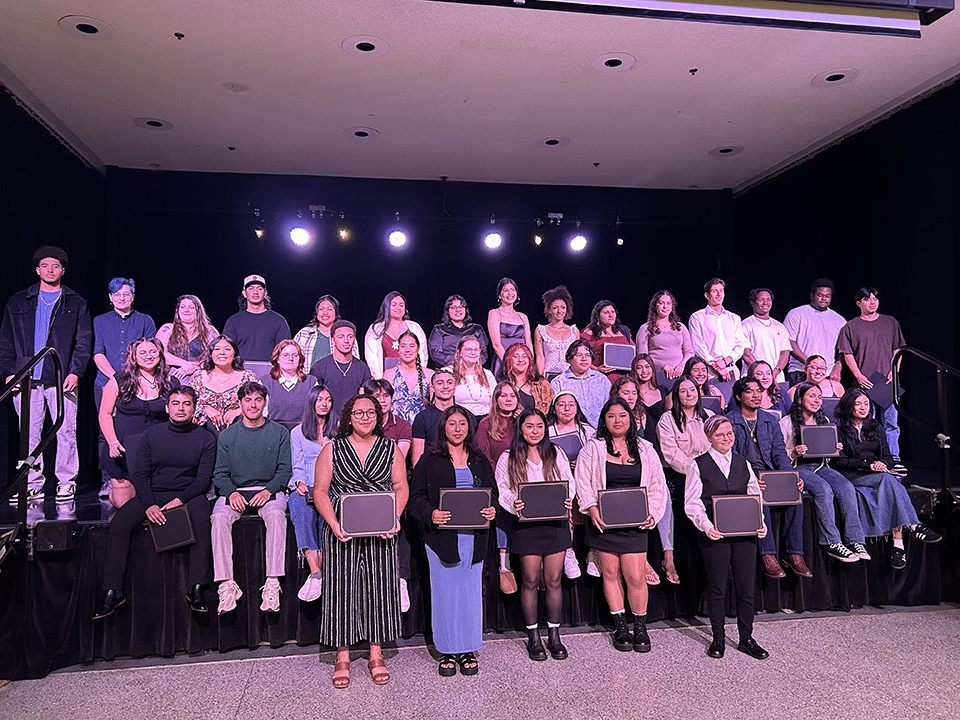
x: 884, y: 503
x: 827, y: 485
x: 792, y: 530
x: 306, y: 522
x: 892, y: 429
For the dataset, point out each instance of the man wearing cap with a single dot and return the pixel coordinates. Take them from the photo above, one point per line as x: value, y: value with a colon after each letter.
x: 49, y: 314
x: 256, y: 328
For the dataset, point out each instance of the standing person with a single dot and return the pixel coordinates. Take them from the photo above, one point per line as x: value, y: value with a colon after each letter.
x: 306, y: 441
x: 473, y: 382
x: 112, y: 333
x: 589, y: 386
x: 287, y: 384
x: 532, y: 389
x: 409, y: 379
x: 551, y: 341
x: 362, y: 601
x: 505, y: 324
x: 717, y: 334
x: 664, y: 337
x: 341, y: 372
x: 455, y: 556
x: 721, y: 471
x: 185, y: 340
x: 455, y: 325
x: 316, y: 337
x: 619, y: 457
x: 767, y: 339
x: 605, y: 328
x: 867, y: 345
x: 174, y: 466
x: 256, y: 328
x: 539, y: 543
x: 217, y: 385
x: 252, y: 455
x: 813, y: 330
x: 49, y: 314
x: 381, y: 344
x: 133, y: 400
x: 442, y: 385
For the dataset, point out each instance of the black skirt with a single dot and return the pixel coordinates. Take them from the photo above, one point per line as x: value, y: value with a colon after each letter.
x: 619, y: 541
x: 543, y: 537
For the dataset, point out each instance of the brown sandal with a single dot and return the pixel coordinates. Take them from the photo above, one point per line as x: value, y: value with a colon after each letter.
x: 378, y: 671
x: 341, y: 680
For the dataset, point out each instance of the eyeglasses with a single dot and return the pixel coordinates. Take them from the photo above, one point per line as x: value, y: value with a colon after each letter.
x: 583, y: 356
x: 723, y: 436
x: 363, y: 414
x: 147, y: 354
x: 290, y: 356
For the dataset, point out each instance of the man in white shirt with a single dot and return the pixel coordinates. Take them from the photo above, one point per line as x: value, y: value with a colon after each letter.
x: 717, y: 334
x: 813, y: 330
x: 767, y: 339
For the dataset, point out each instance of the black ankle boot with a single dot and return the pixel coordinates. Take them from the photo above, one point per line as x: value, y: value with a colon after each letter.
x: 196, y: 600
x: 112, y: 599
x: 554, y: 645
x: 641, y: 640
x: 535, y: 645
x: 621, y: 634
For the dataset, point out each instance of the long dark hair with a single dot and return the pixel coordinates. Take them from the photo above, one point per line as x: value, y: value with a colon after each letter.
x: 442, y: 448
x: 796, y: 410
x: 636, y: 375
x: 517, y: 462
x: 208, y: 363
x: 632, y: 434
x: 383, y: 314
x: 689, y: 366
x: 844, y: 414
x: 638, y: 411
x: 128, y: 380
x: 674, y: 318
x: 773, y: 392
x: 596, y: 328
x: 423, y: 387
x: 578, y: 419
x: 446, y: 310
x: 679, y: 416
x: 345, y: 429
x: 309, y: 425
x: 313, y: 322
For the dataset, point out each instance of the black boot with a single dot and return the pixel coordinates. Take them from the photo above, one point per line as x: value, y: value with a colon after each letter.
x: 554, y: 645
x: 717, y: 646
x: 535, y: 645
x: 195, y: 599
x: 112, y: 599
x: 621, y: 634
x: 641, y: 640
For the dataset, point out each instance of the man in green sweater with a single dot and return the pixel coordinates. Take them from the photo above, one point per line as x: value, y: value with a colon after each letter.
x: 252, y: 472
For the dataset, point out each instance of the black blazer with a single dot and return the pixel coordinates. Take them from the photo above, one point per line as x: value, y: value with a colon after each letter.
x: 432, y: 473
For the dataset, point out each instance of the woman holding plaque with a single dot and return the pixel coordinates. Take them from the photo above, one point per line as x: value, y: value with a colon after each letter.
x: 605, y: 328
x: 619, y: 458
x: 720, y: 471
x: 532, y: 458
x: 455, y: 556
x: 359, y: 573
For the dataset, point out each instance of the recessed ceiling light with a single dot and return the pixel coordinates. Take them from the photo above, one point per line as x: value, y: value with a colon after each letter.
x: 726, y: 151
x: 831, y: 78
x: 553, y: 142
x: 365, y: 46
x: 362, y: 133
x: 613, y: 62
x: 235, y: 86
x: 150, y: 123
x: 86, y: 27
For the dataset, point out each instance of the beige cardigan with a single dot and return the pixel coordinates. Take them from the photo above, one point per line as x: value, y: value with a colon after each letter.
x: 591, y: 476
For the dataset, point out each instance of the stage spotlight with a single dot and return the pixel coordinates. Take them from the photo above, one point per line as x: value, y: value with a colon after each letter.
x: 258, y: 231
x: 619, y: 241
x: 299, y: 236
x: 578, y: 243
x: 537, y: 240
x: 493, y: 240
x: 397, y: 239
x: 344, y: 234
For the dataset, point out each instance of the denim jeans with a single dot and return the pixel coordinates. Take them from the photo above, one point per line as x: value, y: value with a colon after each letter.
x: 892, y: 428
x: 829, y: 489
x: 42, y: 399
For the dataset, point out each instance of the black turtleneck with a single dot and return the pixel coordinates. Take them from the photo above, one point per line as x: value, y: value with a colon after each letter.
x: 174, y: 460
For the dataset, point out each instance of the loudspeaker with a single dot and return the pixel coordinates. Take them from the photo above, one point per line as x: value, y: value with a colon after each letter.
x: 55, y: 535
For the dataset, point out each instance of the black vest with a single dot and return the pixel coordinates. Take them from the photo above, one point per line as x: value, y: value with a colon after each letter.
x: 714, y: 483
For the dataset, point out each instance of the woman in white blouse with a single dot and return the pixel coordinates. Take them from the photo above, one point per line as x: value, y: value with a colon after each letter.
x: 381, y: 344
x: 474, y: 383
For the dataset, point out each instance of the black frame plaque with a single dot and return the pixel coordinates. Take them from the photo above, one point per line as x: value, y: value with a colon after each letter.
x: 623, y: 505
x: 368, y: 513
x: 540, y: 501
x: 614, y: 353
x: 463, y: 504
x: 780, y: 487
x: 821, y: 440
x: 176, y: 532
x: 733, y: 515
x: 712, y: 403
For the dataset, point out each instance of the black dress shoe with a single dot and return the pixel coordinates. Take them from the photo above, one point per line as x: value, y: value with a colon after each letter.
x: 196, y: 600
x: 750, y: 647
x: 716, y: 648
x: 112, y: 599
x: 554, y: 645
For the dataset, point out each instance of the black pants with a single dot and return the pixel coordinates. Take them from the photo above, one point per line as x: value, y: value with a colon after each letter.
x: 128, y: 519
x: 720, y: 557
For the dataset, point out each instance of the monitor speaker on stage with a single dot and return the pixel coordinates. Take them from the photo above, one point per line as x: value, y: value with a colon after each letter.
x: 56, y: 535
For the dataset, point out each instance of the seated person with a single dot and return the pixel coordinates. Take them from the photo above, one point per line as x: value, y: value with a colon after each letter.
x: 771, y: 398
x: 816, y: 372
x: 589, y: 386
x: 253, y: 456
x: 455, y: 324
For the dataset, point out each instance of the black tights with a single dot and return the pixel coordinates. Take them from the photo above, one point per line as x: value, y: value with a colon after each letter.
x: 530, y: 572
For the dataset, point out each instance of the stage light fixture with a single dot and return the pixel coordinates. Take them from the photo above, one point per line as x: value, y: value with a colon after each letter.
x: 578, y: 243
x: 299, y: 236
x: 493, y: 240
x: 619, y: 241
x: 258, y: 231
x: 397, y: 239
x: 537, y: 240
x: 344, y: 234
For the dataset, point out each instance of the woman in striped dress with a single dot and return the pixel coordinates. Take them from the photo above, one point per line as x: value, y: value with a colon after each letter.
x: 362, y: 600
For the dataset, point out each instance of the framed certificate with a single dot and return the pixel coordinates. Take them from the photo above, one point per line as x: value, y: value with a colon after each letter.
x: 829, y: 405
x: 821, y: 440
x: 542, y: 501
x: 248, y: 494
x: 571, y: 444
x: 176, y: 532
x: 623, y: 507
x: 368, y: 513
x: 780, y: 487
x: 735, y: 515
x: 713, y: 404
x: 464, y: 506
x: 618, y: 356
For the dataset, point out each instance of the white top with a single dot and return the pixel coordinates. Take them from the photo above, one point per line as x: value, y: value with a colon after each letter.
x: 766, y: 339
x: 373, y: 350
x: 534, y: 474
x: 692, y: 501
x: 717, y: 335
x: 474, y: 396
x: 815, y: 332
x: 680, y: 448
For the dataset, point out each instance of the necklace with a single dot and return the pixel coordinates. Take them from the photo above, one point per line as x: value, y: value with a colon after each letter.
x: 340, y: 368
x: 752, y: 427
x: 152, y: 385
x: 40, y: 296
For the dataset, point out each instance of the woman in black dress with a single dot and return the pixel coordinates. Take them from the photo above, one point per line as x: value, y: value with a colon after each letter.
x: 618, y: 457
x: 532, y: 457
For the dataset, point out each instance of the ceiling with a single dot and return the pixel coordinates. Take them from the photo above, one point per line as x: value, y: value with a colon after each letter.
x: 469, y: 92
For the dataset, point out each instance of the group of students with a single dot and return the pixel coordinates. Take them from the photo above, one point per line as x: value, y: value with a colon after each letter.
x: 420, y: 415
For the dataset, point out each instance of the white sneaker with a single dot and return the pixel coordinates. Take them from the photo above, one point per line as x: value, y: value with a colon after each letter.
x: 270, y: 594
x: 66, y: 492
x: 592, y: 568
x: 571, y: 568
x: 311, y: 588
x: 404, y: 596
x: 104, y: 489
x: 229, y: 593
x: 861, y: 550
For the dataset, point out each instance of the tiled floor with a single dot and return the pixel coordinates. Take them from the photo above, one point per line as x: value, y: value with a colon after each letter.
x: 867, y: 664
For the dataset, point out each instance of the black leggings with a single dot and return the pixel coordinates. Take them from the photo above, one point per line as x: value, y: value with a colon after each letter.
x: 530, y: 572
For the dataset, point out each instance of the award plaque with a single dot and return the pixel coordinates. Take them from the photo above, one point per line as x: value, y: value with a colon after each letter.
x: 368, y: 513
x: 821, y: 440
x: 829, y: 405
x: 735, y: 515
x: 623, y: 507
x: 780, y: 487
x: 464, y: 506
x: 570, y: 443
x: 618, y: 356
x: 542, y: 501
x: 248, y: 494
x: 176, y: 532
x: 713, y: 404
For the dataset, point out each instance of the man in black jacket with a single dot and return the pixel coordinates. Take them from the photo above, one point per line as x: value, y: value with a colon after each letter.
x: 49, y: 314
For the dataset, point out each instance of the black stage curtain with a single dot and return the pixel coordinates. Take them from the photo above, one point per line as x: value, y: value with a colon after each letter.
x: 46, y: 605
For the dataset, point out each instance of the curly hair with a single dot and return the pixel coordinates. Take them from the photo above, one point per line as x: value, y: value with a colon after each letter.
x: 673, y: 318
x: 560, y: 292
x: 128, y: 380
x: 345, y: 426
x: 179, y: 340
